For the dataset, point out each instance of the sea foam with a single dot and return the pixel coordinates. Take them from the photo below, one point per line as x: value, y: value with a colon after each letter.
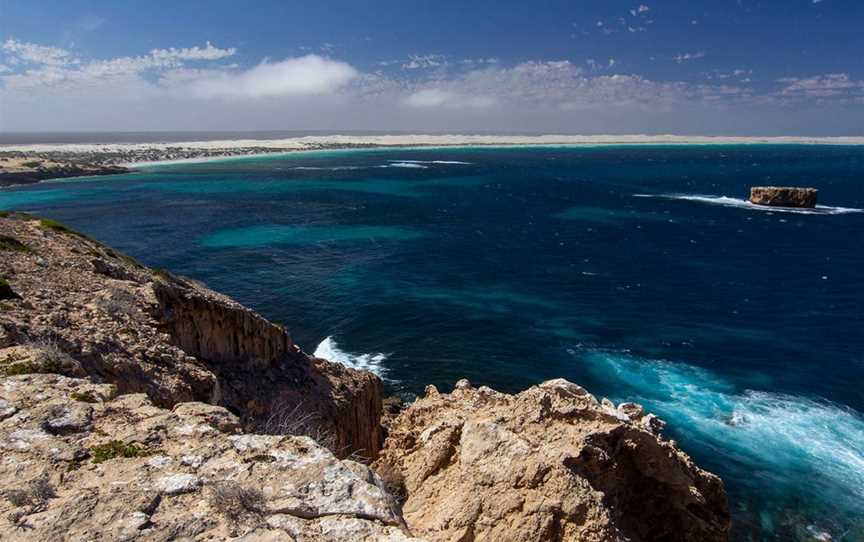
x: 726, y: 201
x: 329, y: 349
x: 792, y: 444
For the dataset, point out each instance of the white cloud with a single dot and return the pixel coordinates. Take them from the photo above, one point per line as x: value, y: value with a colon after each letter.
x: 641, y: 9
x: 416, y: 62
x: 208, y: 52
x: 832, y: 85
x: 21, y: 51
x: 306, y: 75
x: 681, y: 58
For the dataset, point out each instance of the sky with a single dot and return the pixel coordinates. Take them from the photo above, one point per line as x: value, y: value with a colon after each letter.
x: 711, y: 67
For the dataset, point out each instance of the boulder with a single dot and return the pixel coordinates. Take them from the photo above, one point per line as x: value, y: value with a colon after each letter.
x: 549, y: 463
x: 783, y: 196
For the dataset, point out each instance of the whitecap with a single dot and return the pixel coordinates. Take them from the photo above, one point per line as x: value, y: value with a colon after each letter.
x: 406, y: 165
x: 329, y: 349
x: 726, y: 201
x: 806, y: 444
x: 452, y: 162
x: 334, y: 168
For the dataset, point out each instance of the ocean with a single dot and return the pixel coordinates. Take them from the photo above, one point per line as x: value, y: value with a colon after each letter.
x: 640, y: 273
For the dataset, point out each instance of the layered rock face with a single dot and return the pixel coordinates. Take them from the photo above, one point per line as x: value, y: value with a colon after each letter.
x: 80, y: 463
x: 175, y: 340
x: 783, y: 196
x: 550, y: 463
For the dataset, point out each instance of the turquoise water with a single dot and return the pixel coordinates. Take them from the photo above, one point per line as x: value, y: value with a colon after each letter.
x: 640, y: 273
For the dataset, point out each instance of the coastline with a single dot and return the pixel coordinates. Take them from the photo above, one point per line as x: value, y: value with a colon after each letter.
x: 116, y: 157
x: 163, y: 153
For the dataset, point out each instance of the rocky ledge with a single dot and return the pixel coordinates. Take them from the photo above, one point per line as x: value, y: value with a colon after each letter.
x: 550, y: 463
x: 783, y: 196
x: 138, y: 405
x: 28, y: 170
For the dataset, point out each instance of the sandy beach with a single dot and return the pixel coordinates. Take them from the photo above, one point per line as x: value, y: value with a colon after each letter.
x: 127, y: 154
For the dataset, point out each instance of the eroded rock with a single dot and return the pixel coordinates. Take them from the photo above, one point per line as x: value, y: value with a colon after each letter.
x: 550, y: 463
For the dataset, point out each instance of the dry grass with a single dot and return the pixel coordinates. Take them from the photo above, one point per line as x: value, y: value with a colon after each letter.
x: 293, y: 420
x: 235, y: 502
x: 36, y: 493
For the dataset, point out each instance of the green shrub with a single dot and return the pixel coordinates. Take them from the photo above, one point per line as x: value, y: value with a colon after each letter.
x: 4, y: 214
x: 32, y: 163
x: 12, y: 245
x: 59, y: 227
x: 118, y: 448
x: 84, y: 397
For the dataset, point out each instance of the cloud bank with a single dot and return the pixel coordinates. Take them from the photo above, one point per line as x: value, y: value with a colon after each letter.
x: 202, y: 87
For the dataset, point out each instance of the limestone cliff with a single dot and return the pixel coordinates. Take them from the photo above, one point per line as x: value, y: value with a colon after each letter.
x: 175, y: 340
x: 550, y: 463
x: 138, y: 405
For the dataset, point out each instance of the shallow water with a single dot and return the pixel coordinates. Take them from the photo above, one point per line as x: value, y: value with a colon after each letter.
x: 641, y: 273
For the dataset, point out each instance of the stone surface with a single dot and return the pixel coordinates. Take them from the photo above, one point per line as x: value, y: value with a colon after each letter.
x: 86, y: 310
x: 169, y: 491
x: 783, y: 196
x: 550, y: 463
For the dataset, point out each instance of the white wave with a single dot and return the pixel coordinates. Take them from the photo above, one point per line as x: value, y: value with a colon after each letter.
x: 455, y: 162
x: 406, y: 165
x: 329, y: 349
x: 334, y: 168
x: 815, y: 445
x: 745, y: 204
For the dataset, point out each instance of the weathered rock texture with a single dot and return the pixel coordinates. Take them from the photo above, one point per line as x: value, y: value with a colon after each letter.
x: 79, y: 463
x: 551, y: 463
x: 173, y: 339
x: 783, y: 196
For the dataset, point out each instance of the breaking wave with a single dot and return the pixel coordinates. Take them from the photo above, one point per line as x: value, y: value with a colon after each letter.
x: 452, y: 162
x: 329, y: 349
x: 726, y: 201
x: 793, y: 444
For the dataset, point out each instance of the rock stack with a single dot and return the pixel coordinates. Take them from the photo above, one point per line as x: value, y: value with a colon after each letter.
x: 783, y: 196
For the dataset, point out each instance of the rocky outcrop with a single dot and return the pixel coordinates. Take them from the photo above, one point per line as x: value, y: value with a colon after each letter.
x: 80, y: 463
x: 29, y: 170
x: 783, y: 196
x: 550, y: 463
x: 150, y: 332
x: 138, y: 405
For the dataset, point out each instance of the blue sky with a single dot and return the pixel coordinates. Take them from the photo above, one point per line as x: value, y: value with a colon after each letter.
x: 605, y: 66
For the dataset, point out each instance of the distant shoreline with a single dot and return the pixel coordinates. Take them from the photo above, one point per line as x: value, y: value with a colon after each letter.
x: 137, y: 155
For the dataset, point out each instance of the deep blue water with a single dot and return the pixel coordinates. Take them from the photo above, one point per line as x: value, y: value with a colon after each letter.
x: 637, y: 272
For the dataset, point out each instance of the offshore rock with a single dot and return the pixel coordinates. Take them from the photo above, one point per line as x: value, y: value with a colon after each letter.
x: 783, y: 196
x: 87, y: 310
x: 550, y: 463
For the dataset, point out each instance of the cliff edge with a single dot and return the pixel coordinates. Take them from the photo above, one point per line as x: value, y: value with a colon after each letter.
x: 139, y: 405
x: 549, y: 463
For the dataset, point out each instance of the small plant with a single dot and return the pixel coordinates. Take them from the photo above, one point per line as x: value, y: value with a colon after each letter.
x: 234, y: 501
x: 53, y: 225
x: 118, y: 448
x: 32, y: 163
x: 52, y: 359
x: 84, y: 396
x: 36, y: 493
x: 393, y: 481
x: 4, y: 214
x: 287, y: 420
x: 10, y: 244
